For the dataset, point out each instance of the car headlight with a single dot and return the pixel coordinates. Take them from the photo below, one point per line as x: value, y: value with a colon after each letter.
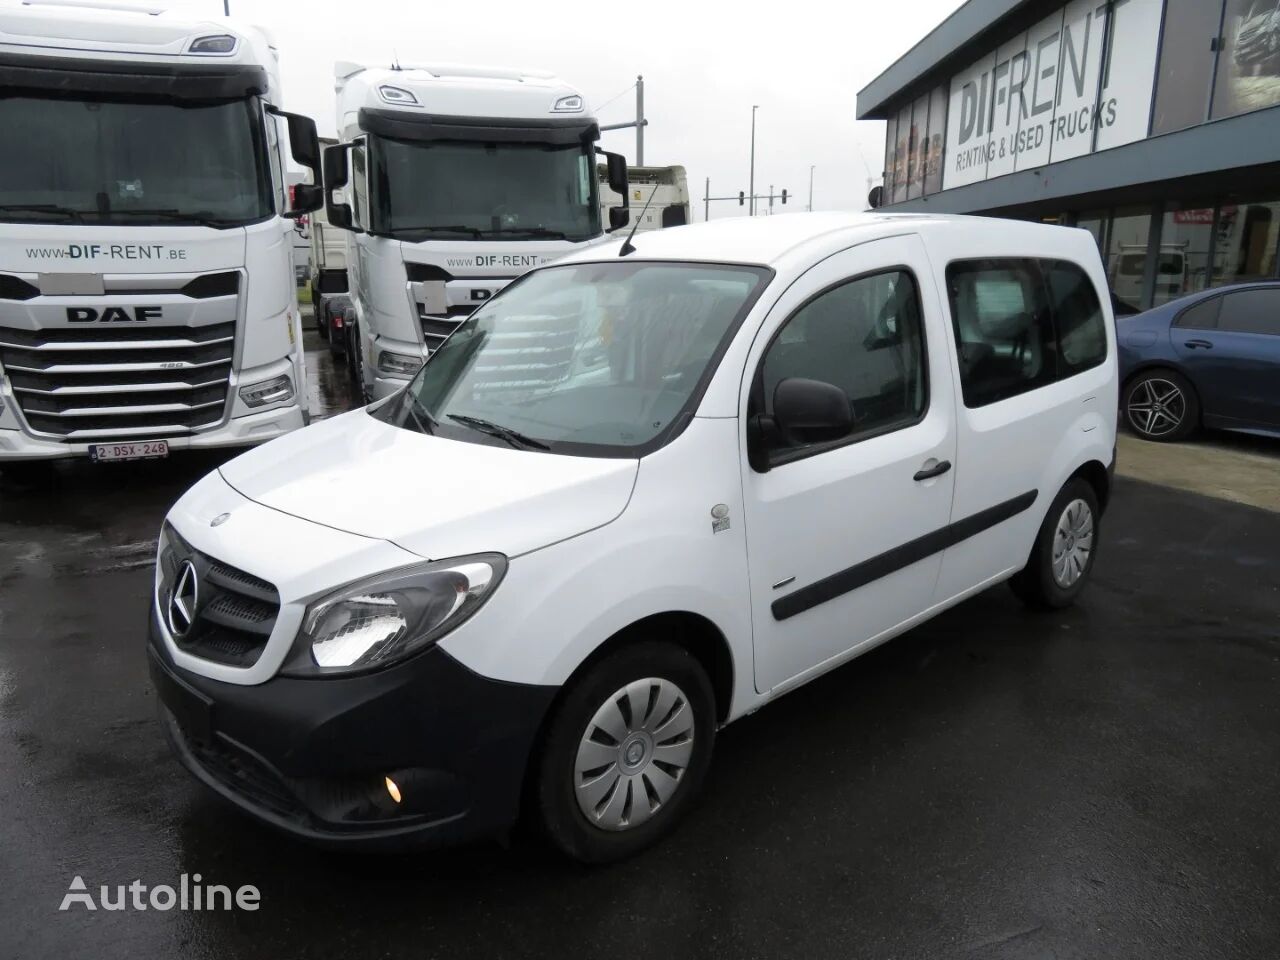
x: 377, y: 621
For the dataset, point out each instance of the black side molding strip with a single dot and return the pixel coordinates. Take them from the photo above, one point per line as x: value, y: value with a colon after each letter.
x: 891, y: 561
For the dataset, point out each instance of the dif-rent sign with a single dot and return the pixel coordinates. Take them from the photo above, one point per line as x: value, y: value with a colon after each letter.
x: 1057, y: 91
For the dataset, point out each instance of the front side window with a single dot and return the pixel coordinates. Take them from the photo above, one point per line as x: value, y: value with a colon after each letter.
x: 1004, y: 336
x: 460, y: 190
x: 1251, y: 311
x: 89, y: 159
x: 596, y: 359
x: 865, y: 337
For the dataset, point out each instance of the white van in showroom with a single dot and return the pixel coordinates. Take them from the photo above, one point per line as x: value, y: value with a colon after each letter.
x: 637, y: 495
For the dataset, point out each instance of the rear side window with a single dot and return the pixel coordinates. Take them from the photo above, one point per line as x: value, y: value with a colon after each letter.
x: 1003, y: 335
x: 1251, y: 311
x: 1021, y: 323
x: 1201, y: 316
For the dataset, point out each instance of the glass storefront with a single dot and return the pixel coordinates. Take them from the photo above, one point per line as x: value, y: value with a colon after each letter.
x: 1245, y: 247
x: 1186, y: 64
x: 1130, y: 235
x: 1186, y: 241
x: 1249, y: 59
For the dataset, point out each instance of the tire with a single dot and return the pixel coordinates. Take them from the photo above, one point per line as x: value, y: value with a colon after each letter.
x: 1062, y: 558
x: 337, y: 341
x: 1161, y: 405
x: 588, y: 792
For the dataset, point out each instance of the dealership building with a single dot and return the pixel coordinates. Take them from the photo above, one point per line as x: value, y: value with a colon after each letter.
x: 1154, y: 124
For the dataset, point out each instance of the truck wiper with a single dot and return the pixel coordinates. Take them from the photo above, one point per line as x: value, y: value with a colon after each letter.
x: 513, y: 437
x: 530, y: 232
x: 201, y: 218
x: 441, y: 228
x: 41, y: 208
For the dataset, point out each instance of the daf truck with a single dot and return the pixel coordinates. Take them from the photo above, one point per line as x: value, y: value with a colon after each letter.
x: 147, y: 296
x: 452, y: 181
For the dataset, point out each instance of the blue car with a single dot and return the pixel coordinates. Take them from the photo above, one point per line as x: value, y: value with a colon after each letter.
x: 1210, y: 359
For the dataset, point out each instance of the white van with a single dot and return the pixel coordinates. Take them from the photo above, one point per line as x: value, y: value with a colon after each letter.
x: 636, y: 496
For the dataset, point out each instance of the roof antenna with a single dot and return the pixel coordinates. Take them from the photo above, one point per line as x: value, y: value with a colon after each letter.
x: 395, y: 59
x: 626, y: 246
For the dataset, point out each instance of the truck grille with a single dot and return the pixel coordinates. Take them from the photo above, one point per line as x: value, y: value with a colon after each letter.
x: 436, y: 328
x: 120, y: 381
x: 235, y: 611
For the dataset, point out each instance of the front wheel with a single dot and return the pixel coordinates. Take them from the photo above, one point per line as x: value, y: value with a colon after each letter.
x: 625, y: 752
x: 1161, y: 405
x: 1064, y: 552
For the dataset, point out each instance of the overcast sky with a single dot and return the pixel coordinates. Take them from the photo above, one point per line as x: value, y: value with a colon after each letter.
x: 704, y: 64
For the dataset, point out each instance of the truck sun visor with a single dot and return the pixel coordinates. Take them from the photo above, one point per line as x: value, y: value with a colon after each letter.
x: 202, y: 81
x: 399, y: 125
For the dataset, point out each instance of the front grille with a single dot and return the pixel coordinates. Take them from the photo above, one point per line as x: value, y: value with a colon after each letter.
x: 436, y: 328
x: 235, y: 611
x: 120, y: 381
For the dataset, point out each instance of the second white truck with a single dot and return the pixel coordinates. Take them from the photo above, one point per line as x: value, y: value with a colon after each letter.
x: 453, y: 181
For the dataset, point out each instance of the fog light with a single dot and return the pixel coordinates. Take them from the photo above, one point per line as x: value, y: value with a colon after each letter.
x: 274, y: 390
x: 221, y: 44
x: 392, y: 789
x: 398, y: 364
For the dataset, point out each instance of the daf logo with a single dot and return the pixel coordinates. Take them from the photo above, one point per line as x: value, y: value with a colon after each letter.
x: 113, y: 314
x: 183, y: 600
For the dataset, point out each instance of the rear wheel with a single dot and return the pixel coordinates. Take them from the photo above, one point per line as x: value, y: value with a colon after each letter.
x: 1064, y: 552
x: 625, y: 752
x: 1161, y: 405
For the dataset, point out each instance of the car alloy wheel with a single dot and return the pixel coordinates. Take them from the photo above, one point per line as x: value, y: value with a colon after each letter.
x: 1072, y: 543
x: 1156, y: 407
x: 634, y: 753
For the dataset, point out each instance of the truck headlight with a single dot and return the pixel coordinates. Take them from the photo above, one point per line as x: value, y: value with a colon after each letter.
x: 398, y: 364
x: 382, y: 619
x: 275, y: 390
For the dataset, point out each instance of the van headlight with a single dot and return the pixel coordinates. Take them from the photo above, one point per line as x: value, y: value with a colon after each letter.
x: 376, y: 621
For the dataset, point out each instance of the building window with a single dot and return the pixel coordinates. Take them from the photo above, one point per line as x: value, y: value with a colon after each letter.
x: 1095, y: 221
x: 1182, y: 266
x: 1186, y: 63
x: 890, y: 144
x: 902, y: 153
x: 1130, y: 236
x: 1249, y: 63
x: 1245, y: 245
x: 937, y: 136
x: 865, y: 337
x: 919, y: 146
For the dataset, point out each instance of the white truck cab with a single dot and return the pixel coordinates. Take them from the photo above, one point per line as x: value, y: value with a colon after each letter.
x: 453, y: 181
x: 641, y: 493
x: 147, y: 295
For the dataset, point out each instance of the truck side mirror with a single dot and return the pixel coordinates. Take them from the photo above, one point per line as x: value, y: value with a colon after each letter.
x: 619, y: 217
x: 304, y: 146
x: 336, y: 174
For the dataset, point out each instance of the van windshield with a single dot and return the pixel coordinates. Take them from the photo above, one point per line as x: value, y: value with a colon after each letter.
x: 96, y: 160
x: 597, y: 359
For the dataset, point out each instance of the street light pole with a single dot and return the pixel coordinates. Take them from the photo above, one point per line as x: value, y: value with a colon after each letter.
x: 811, y: 188
x: 752, y: 181
x: 639, y: 119
x: 226, y: 8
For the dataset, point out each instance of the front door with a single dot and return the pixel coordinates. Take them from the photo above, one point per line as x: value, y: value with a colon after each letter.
x: 839, y: 527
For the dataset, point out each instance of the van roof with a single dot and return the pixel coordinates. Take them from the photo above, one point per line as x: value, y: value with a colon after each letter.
x: 767, y: 240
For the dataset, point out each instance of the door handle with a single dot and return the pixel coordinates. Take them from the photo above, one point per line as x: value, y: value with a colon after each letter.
x: 1193, y: 344
x: 937, y: 470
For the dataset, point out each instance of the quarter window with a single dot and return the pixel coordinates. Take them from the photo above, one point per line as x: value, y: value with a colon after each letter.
x: 865, y: 337
x: 1251, y: 311
x: 1201, y: 316
x: 1077, y: 317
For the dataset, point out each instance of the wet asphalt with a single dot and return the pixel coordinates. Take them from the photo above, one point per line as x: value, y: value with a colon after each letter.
x: 1101, y: 782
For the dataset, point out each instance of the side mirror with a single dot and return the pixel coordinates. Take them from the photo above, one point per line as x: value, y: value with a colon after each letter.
x: 336, y: 174
x: 307, y: 197
x: 304, y: 146
x: 617, y: 176
x: 820, y: 410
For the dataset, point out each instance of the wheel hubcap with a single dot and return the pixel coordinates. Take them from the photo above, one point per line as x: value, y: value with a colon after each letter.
x: 1072, y: 543
x: 1156, y: 407
x: 633, y: 754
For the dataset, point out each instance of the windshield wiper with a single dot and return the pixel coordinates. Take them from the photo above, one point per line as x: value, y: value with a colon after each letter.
x: 441, y: 228
x: 530, y: 232
x: 513, y: 437
x: 420, y: 414
x: 41, y: 208
x: 201, y: 218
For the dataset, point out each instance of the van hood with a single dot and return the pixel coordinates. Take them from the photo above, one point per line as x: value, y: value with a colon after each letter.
x: 433, y: 496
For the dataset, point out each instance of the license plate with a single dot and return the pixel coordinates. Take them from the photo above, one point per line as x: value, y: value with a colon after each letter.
x: 140, y: 450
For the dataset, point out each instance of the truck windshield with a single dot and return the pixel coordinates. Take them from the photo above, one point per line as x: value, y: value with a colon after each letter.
x: 597, y: 359
x: 484, y: 191
x: 89, y: 160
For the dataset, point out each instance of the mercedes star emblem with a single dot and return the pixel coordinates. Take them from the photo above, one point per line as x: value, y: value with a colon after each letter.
x: 183, y: 599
